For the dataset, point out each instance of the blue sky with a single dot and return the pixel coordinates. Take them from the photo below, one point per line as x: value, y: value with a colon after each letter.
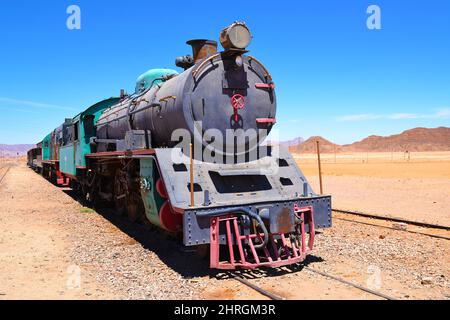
x: 334, y: 76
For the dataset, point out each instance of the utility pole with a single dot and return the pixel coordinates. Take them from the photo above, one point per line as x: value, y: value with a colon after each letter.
x: 335, y: 154
x: 191, y: 172
x: 320, y: 166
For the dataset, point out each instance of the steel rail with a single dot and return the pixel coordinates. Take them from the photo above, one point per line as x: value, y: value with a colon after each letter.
x: 357, y: 286
x: 256, y: 288
x: 387, y: 227
x: 324, y: 274
x: 7, y: 170
x: 412, y: 222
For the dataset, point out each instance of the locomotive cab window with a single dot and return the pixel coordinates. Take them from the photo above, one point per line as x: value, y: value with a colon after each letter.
x: 88, y: 124
x: 67, y: 135
x: 75, y: 131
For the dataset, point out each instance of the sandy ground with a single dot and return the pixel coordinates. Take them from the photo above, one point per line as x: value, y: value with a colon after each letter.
x: 46, y: 235
x: 418, y: 189
x: 34, y: 250
x: 51, y: 247
x: 47, y: 239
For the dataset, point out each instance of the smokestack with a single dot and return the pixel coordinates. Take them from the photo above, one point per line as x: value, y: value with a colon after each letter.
x: 202, y: 48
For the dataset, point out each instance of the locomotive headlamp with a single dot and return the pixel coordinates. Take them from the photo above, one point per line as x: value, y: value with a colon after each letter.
x: 238, y: 60
x: 235, y: 36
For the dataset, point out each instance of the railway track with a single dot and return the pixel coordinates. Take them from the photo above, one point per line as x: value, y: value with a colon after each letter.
x: 2, y: 176
x: 425, y: 225
x: 273, y: 296
x: 257, y: 289
x: 374, y: 216
x: 362, y: 215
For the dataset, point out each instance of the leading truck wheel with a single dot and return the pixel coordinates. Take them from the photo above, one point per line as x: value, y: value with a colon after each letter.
x: 127, y: 198
x: 170, y: 220
x: 120, y: 193
x: 133, y: 208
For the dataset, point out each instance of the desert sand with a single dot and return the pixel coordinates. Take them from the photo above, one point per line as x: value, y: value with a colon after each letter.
x: 407, y: 185
x: 46, y: 235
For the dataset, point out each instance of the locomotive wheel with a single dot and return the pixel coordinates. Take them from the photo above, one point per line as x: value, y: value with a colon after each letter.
x: 90, y: 199
x: 126, y: 198
x: 120, y: 193
x: 89, y: 196
x: 170, y: 220
x: 133, y: 210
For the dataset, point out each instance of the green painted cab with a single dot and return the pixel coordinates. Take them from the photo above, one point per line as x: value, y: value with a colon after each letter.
x: 72, y: 154
x: 66, y: 160
x: 46, y: 148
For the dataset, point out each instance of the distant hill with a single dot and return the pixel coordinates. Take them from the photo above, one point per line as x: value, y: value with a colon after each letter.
x: 310, y: 146
x: 15, y: 150
x: 293, y: 142
x: 417, y: 139
x: 413, y: 140
x: 287, y: 143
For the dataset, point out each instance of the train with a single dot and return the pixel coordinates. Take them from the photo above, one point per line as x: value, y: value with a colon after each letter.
x: 187, y: 152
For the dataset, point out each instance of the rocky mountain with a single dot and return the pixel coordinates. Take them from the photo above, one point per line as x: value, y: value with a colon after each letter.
x: 413, y: 140
x: 310, y: 146
x: 417, y: 139
x: 287, y: 143
x: 293, y: 142
x: 15, y: 150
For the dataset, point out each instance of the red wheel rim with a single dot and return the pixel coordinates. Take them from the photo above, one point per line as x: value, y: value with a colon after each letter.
x: 161, y: 189
x: 170, y: 220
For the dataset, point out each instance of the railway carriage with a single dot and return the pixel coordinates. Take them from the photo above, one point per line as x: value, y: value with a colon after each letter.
x: 50, y: 156
x: 185, y: 152
x: 34, y: 158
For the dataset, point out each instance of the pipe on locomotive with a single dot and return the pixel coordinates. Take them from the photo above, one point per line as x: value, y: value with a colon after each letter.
x: 236, y: 36
x: 244, y: 211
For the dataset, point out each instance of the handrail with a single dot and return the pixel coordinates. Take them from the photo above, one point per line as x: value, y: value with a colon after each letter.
x: 197, y: 70
x: 250, y: 58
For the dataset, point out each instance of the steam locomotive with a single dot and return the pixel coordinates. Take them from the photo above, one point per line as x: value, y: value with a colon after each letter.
x: 186, y: 152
